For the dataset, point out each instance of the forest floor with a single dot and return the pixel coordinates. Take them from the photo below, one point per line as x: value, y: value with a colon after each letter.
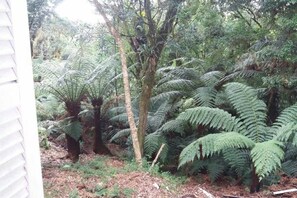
x: 102, y: 176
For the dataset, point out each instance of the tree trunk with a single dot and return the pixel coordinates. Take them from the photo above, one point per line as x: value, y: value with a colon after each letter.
x: 273, y: 105
x: 132, y: 124
x: 98, y: 146
x: 73, y: 148
x: 144, y: 100
x: 255, y: 183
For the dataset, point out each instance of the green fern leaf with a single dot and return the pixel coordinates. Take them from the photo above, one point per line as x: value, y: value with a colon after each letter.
x: 267, y: 157
x: 232, y: 140
x: 287, y: 133
x: 152, y: 144
x: 251, y: 110
x: 120, y: 134
x: 214, y: 143
x: 177, y: 126
x: 211, y: 78
x: 238, y: 159
x: 214, y: 117
x: 289, y: 168
x: 73, y: 129
x: 215, y: 169
x: 189, y: 153
x: 286, y: 116
x: 205, y: 96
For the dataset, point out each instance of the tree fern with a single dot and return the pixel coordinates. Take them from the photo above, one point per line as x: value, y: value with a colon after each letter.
x: 248, y: 132
x: 267, y: 157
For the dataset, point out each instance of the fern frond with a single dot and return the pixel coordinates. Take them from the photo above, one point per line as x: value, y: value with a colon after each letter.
x: 158, y: 118
x: 238, y: 159
x: 214, y: 143
x: 213, y: 117
x: 177, y: 126
x: 287, y: 115
x: 73, y: 129
x: 120, y: 134
x: 289, y: 168
x: 123, y: 118
x: 176, y: 84
x: 245, y: 73
x: 117, y: 110
x: 211, y: 78
x: 205, y: 96
x: 152, y: 144
x: 231, y: 140
x: 287, y: 133
x: 267, y: 157
x: 165, y: 96
x: 189, y: 153
x: 251, y: 110
x: 216, y: 168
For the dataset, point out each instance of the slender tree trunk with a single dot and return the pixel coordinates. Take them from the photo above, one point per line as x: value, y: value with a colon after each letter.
x: 132, y: 124
x: 98, y: 146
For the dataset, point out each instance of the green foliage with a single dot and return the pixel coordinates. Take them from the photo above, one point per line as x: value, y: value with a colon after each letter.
x: 287, y: 116
x: 267, y: 157
x: 214, y: 117
x: 247, y: 136
x: 48, y: 107
x: 152, y: 144
x: 69, y: 90
x: 120, y: 134
x: 214, y: 144
x: 251, y: 110
x: 73, y: 129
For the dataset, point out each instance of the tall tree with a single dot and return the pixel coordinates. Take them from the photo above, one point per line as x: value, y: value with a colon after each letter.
x: 148, y: 25
x: 115, y: 33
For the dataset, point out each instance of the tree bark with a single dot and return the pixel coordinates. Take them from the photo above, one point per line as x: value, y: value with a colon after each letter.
x: 132, y: 124
x: 157, y: 40
x: 255, y: 183
x: 144, y: 101
x: 98, y: 146
x: 73, y: 148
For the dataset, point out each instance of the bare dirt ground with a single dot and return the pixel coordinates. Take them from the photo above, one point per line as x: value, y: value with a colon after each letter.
x: 62, y: 179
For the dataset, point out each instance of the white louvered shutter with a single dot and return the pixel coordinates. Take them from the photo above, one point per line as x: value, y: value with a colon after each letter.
x: 19, y: 177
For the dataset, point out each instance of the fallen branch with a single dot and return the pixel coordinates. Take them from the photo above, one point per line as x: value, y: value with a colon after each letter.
x: 157, y: 156
x: 285, y: 191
